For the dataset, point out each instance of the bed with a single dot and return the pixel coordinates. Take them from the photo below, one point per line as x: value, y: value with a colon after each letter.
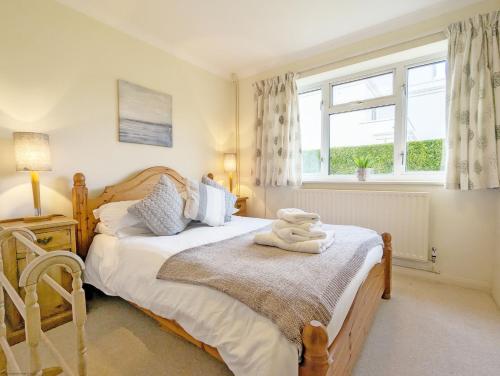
x: 218, y: 324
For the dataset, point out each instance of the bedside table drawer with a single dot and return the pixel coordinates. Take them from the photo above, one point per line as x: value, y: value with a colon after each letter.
x: 49, y: 240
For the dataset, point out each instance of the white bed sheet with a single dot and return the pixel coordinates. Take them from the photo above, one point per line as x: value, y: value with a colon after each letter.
x: 249, y: 343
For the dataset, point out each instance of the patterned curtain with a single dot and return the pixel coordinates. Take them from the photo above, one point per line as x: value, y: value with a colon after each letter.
x: 278, y: 160
x: 474, y: 103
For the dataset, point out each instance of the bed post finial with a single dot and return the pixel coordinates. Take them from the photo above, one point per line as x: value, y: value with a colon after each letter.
x: 79, y: 179
x: 387, y: 238
x: 80, y: 213
x: 316, y: 356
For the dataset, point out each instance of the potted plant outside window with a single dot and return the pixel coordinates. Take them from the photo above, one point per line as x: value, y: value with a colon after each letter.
x: 362, y: 163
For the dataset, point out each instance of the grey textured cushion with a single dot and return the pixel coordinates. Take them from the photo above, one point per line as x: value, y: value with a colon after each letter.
x: 163, y: 209
x: 230, y: 198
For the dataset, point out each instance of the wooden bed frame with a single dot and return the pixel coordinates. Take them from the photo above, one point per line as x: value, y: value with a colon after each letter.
x: 319, y: 359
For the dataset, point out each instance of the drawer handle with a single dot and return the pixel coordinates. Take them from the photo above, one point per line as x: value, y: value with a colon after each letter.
x: 44, y: 241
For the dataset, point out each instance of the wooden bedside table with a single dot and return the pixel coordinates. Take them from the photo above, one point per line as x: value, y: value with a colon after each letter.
x: 56, y: 233
x: 241, y: 205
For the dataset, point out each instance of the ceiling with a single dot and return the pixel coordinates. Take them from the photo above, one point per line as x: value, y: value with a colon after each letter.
x: 249, y: 36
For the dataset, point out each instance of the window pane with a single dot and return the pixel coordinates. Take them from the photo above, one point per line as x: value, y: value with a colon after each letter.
x: 310, y: 127
x: 426, y: 117
x: 364, y: 133
x: 368, y: 88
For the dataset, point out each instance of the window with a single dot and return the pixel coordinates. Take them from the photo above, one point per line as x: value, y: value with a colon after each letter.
x: 425, y: 117
x: 357, y: 133
x: 368, y: 88
x: 310, y: 120
x: 395, y: 116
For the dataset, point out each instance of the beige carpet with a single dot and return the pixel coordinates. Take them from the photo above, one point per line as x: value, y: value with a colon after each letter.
x: 426, y: 329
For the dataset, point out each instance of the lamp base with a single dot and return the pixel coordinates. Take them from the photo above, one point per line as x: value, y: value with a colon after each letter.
x: 35, y: 185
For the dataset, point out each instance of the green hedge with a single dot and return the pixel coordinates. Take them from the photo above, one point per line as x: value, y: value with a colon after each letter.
x: 425, y: 155
x: 422, y: 156
x: 381, y: 158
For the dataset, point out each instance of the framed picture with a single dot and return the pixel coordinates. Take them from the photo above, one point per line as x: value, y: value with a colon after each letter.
x: 145, y: 115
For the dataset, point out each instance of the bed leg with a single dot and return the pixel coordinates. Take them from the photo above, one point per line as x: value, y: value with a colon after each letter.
x: 315, y: 348
x: 387, y: 238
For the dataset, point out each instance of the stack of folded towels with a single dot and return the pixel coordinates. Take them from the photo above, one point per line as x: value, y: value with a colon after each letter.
x: 298, y: 231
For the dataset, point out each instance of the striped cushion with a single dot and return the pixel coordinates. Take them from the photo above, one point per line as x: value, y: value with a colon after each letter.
x: 205, y: 204
x: 229, y: 197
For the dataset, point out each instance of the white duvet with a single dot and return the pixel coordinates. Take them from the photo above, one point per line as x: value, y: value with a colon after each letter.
x: 249, y: 343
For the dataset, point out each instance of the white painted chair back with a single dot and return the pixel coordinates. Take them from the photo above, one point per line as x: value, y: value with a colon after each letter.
x: 38, y: 263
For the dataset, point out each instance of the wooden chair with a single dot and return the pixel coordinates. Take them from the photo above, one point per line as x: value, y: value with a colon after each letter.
x: 36, y: 271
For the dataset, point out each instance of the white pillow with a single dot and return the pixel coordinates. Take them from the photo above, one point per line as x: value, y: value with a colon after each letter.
x: 114, y: 217
x: 101, y: 228
x: 205, y: 204
x: 137, y: 230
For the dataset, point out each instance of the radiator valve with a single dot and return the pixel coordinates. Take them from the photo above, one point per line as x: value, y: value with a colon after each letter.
x: 433, y: 255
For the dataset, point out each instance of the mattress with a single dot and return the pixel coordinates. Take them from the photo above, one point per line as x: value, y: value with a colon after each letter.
x: 249, y: 343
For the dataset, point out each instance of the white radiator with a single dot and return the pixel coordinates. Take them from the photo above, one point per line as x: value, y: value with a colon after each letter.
x: 403, y: 214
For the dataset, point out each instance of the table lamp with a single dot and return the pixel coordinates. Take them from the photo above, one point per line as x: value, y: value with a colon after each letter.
x: 230, y: 167
x: 33, y: 154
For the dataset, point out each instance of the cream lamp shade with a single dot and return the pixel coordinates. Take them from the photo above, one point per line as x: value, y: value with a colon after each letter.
x: 32, y: 151
x: 229, y: 162
x: 33, y: 154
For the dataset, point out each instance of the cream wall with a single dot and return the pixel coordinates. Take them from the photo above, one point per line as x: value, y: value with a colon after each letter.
x: 58, y: 74
x: 462, y: 223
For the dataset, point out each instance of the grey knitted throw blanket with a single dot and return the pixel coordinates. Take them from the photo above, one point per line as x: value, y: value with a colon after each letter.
x: 289, y: 288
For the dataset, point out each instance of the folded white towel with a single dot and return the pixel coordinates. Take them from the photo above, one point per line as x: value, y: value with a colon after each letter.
x: 297, y: 216
x: 292, y: 235
x: 309, y: 226
x: 310, y: 246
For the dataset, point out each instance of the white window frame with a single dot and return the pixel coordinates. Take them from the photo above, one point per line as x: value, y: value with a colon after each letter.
x: 398, y: 99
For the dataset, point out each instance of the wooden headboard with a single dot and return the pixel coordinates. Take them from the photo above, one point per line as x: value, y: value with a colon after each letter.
x: 134, y: 188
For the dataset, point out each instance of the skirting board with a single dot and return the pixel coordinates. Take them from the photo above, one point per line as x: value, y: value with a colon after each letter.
x: 443, y: 278
x: 427, y: 266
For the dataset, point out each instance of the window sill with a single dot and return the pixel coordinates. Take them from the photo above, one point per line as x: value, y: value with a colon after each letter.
x: 437, y: 181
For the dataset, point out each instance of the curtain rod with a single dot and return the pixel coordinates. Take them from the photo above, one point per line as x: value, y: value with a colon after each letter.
x: 437, y: 36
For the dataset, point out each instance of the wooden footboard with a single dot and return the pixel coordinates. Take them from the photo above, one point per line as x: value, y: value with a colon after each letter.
x: 340, y: 357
